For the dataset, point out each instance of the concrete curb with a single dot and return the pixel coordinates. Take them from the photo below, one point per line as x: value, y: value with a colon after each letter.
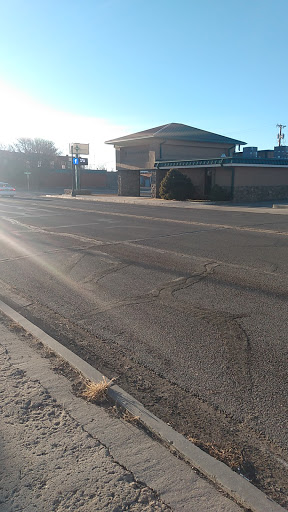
x: 106, y: 198
x: 236, y: 486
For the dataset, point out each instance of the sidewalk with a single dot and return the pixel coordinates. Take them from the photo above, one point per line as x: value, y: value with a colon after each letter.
x: 102, y: 197
x: 61, y: 453
x: 264, y: 207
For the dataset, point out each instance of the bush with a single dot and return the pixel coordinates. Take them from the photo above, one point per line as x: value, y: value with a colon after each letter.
x: 218, y: 193
x: 177, y: 186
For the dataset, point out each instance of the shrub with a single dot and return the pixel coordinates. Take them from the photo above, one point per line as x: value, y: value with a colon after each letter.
x: 218, y: 193
x: 177, y: 186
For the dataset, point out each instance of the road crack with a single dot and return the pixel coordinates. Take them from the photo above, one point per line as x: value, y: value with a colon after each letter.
x: 169, y: 289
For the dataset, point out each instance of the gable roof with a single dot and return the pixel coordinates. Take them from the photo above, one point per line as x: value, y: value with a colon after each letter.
x: 178, y: 131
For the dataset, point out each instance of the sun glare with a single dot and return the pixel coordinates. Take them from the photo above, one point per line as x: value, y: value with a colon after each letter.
x: 22, y: 116
x: 21, y: 250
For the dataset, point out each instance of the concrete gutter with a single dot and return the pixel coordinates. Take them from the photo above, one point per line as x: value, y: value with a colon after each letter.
x: 236, y: 486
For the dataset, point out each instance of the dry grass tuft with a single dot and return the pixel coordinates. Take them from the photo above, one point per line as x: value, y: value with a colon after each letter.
x: 127, y: 416
x: 96, y: 391
x: 14, y: 326
x: 229, y: 455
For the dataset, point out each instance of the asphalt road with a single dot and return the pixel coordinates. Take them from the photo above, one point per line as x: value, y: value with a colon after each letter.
x: 198, y: 296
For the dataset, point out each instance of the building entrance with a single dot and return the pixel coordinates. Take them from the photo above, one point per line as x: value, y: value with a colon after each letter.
x: 208, y: 182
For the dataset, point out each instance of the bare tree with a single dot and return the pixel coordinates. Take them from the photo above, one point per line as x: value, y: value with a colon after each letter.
x: 38, y: 153
x: 35, y: 146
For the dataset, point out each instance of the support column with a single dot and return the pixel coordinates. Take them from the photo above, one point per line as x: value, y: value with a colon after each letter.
x: 156, y: 178
x: 129, y: 183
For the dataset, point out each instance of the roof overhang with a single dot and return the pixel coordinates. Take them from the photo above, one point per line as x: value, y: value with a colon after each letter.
x: 222, y: 162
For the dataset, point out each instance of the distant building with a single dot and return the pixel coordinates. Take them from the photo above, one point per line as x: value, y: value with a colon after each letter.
x: 53, y: 172
x: 206, y: 158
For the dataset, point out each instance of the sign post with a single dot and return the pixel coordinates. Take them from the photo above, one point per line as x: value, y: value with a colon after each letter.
x: 77, y: 149
x: 73, y: 193
x: 76, y: 169
x: 28, y: 179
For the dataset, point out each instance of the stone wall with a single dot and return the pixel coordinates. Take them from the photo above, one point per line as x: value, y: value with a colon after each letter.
x: 260, y: 193
x: 156, y: 178
x: 129, y: 183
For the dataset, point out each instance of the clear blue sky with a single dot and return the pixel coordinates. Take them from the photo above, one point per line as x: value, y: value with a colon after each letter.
x: 216, y: 65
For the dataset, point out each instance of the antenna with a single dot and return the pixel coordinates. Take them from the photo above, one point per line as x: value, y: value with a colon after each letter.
x: 280, y: 135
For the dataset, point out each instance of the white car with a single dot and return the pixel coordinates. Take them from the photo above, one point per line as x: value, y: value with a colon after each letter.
x: 6, y: 190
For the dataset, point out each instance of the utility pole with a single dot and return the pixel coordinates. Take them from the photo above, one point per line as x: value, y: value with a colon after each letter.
x: 280, y: 135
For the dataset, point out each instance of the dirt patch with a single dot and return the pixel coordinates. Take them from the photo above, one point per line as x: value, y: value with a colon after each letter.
x: 246, y: 451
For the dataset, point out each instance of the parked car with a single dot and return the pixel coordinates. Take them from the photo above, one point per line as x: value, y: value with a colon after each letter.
x: 6, y: 190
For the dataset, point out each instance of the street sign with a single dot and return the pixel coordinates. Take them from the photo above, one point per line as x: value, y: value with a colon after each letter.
x: 80, y: 161
x: 79, y: 149
x: 27, y: 172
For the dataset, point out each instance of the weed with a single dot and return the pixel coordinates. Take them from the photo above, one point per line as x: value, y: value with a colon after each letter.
x: 96, y: 391
x: 127, y: 416
x: 14, y: 326
x: 230, y: 456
